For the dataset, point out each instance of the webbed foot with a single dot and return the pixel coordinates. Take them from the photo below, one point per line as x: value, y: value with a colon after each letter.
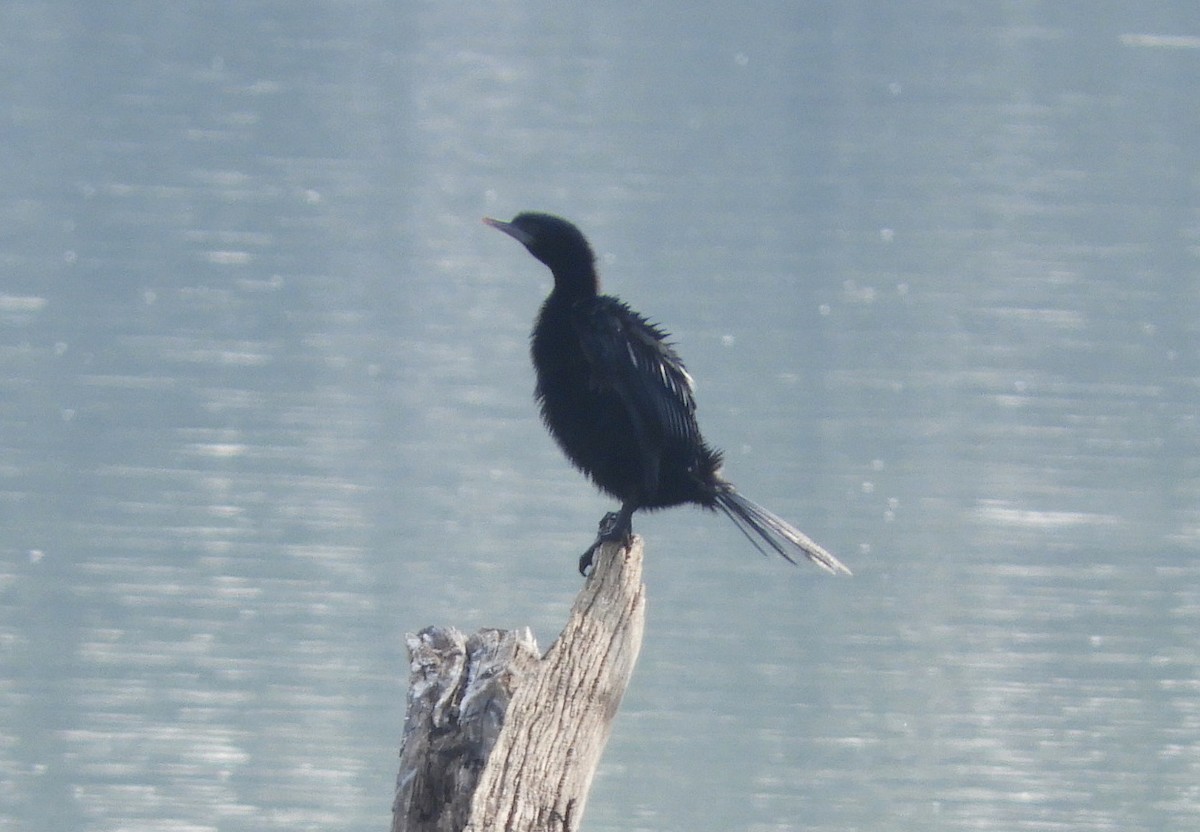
x: 615, y: 527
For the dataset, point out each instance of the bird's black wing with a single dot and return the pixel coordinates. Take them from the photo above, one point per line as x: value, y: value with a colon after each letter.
x: 631, y: 357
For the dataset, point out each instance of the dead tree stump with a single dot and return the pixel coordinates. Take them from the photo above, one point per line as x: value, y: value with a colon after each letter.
x: 498, y: 740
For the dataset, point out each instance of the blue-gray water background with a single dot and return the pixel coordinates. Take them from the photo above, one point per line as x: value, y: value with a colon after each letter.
x: 265, y: 402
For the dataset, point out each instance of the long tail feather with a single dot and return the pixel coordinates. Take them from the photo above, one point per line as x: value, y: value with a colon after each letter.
x: 762, y: 526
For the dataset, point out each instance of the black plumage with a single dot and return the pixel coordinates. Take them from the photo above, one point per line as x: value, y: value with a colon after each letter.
x: 618, y: 400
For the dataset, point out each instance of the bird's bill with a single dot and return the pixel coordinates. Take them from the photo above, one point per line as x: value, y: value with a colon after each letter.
x: 511, y: 230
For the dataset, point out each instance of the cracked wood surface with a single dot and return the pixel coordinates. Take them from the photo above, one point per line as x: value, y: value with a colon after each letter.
x: 497, y: 739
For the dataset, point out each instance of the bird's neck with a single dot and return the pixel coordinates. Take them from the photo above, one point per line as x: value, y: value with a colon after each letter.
x: 577, y: 281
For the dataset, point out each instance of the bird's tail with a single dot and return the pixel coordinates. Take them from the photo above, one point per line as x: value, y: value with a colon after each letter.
x: 762, y: 526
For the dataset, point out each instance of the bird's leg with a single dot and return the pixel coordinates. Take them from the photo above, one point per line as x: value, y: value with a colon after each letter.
x: 615, y: 527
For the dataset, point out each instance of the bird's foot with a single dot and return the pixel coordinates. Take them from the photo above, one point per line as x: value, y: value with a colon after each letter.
x: 615, y: 527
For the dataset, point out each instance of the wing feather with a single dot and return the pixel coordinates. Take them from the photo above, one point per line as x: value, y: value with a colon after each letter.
x: 632, y: 357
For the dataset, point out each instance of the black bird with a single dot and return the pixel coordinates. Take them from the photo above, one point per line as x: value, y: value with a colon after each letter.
x: 617, y: 399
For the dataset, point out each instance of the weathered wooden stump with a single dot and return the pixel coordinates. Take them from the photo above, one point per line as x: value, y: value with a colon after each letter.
x: 496, y: 738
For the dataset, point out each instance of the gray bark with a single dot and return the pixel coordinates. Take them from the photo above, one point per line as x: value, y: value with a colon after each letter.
x: 496, y: 738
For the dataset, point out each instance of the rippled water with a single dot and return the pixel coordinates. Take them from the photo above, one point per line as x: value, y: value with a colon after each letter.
x: 265, y: 402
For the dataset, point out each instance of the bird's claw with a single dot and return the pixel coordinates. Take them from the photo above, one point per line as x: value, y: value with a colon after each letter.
x: 585, y: 560
x: 613, y: 529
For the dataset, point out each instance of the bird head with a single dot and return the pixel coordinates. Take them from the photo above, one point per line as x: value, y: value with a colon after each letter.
x: 557, y: 243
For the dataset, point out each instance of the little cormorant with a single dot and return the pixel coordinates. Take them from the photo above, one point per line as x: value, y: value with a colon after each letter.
x: 617, y: 399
